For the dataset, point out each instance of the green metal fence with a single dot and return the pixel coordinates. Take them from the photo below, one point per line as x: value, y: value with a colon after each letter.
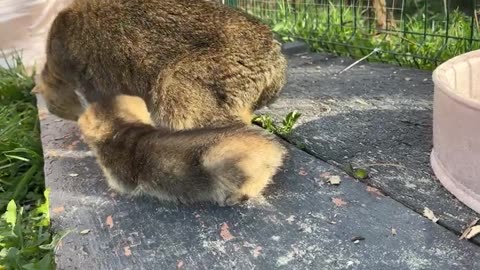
x: 420, y: 33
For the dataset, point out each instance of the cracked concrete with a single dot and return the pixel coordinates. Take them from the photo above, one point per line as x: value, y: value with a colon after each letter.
x: 304, y: 222
x: 375, y: 116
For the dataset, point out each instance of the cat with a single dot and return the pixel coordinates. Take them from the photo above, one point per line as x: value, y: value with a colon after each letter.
x: 195, y: 63
x: 224, y: 165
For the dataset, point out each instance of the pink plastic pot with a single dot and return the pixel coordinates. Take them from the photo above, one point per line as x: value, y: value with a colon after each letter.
x: 455, y: 156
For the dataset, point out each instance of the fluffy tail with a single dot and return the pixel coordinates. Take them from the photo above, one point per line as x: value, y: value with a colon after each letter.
x: 248, y: 160
x: 241, y: 160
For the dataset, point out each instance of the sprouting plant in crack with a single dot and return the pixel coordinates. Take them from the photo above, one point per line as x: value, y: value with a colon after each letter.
x: 357, y: 173
x: 266, y: 121
x: 289, y: 121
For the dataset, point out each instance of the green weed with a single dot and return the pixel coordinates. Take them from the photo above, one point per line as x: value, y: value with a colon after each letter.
x: 357, y: 173
x: 25, y: 239
x: 266, y: 122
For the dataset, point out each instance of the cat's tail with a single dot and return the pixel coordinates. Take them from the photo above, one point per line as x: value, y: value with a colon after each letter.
x: 239, y: 160
x: 248, y: 159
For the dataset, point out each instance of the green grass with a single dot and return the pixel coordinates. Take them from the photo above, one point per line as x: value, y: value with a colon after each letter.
x: 419, y: 40
x: 25, y: 239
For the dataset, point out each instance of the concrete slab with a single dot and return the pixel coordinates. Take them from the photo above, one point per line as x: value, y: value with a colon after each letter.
x: 375, y: 116
x: 304, y: 223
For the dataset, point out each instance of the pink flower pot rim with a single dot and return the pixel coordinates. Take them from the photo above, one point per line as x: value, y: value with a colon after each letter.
x: 442, y: 85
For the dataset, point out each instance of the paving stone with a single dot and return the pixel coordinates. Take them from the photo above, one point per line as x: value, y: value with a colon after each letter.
x: 304, y: 222
x: 375, y: 116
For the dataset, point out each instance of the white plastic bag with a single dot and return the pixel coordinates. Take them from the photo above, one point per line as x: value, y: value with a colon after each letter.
x: 24, y: 26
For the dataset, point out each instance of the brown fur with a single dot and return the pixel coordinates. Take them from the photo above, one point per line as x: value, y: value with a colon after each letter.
x: 225, y: 165
x: 195, y: 63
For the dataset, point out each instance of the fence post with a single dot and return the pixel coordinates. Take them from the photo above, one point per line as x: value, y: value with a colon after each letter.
x: 381, y: 15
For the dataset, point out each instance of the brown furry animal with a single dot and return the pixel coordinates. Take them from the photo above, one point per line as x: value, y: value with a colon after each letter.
x: 225, y: 165
x: 195, y: 63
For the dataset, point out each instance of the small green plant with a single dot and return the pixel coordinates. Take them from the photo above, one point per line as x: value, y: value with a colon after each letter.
x: 266, y: 122
x: 25, y: 238
x: 357, y: 173
x: 288, y: 122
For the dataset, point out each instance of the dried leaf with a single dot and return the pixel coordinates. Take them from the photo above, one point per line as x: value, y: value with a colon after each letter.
x: 429, y: 214
x: 302, y: 172
x: 127, y: 251
x: 473, y: 232
x: 109, y: 221
x: 469, y: 228
x: 375, y: 191
x: 334, y: 180
x: 57, y: 210
x: 225, y: 232
x: 290, y: 219
x: 257, y: 251
x: 85, y: 231
x: 339, y: 202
